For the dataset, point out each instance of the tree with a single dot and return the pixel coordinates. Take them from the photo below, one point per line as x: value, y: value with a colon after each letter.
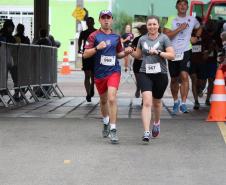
x: 121, y: 19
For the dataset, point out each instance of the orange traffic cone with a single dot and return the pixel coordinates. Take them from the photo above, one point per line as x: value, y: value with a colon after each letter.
x: 65, y: 70
x: 224, y: 71
x: 218, y: 99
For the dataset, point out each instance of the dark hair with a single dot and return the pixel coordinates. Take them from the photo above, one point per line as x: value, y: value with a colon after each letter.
x: 8, y: 23
x: 90, y: 19
x: 43, y: 33
x: 178, y: 1
x: 156, y: 18
x: 199, y: 19
x: 20, y: 28
x: 153, y: 17
x: 142, y: 29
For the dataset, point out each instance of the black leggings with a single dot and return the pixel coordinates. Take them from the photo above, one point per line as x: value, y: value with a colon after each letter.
x: 157, y: 83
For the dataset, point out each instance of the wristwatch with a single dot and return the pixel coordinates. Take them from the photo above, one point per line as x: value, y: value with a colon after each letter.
x: 95, y: 48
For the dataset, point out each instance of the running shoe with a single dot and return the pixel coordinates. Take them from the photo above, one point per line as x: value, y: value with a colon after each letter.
x: 106, y: 130
x: 155, y: 130
x: 88, y: 98
x: 176, y: 107
x: 196, y: 105
x: 113, y: 136
x: 146, y: 137
x: 183, y: 108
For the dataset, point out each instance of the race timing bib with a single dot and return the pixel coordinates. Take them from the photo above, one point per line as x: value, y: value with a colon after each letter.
x: 179, y: 56
x: 108, y: 60
x: 196, y: 49
x: 153, y: 68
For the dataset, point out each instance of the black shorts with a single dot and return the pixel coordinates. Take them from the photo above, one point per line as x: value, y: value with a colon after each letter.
x: 88, y: 64
x: 199, y: 69
x: 157, y: 83
x: 136, y: 66
x: 176, y: 67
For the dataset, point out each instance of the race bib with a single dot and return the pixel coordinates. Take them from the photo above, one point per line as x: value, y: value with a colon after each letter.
x: 153, y: 68
x: 107, y: 60
x: 179, y: 56
x: 196, y: 49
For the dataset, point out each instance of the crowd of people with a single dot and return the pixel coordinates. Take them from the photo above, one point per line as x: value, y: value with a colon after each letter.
x: 182, y: 49
x: 6, y: 35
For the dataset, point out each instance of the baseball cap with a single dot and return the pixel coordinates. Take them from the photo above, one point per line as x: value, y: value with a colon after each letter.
x: 105, y: 12
x: 178, y: 1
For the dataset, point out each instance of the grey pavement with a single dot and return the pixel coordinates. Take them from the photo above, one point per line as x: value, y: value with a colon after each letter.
x: 58, y: 142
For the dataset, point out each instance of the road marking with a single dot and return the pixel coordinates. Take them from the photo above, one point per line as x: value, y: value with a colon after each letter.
x: 67, y: 161
x: 222, y: 127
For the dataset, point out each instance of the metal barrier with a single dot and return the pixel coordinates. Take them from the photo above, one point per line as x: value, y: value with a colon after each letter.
x: 3, y: 70
x: 33, y: 69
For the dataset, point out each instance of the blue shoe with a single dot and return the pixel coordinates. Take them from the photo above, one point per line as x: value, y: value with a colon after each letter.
x: 176, y: 107
x: 155, y: 130
x: 183, y: 108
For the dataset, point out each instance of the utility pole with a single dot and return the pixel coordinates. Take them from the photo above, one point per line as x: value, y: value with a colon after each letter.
x: 79, y: 3
x: 41, y: 16
x: 151, y: 9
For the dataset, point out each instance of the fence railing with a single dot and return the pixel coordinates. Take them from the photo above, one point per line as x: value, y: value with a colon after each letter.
x: 33, y: 69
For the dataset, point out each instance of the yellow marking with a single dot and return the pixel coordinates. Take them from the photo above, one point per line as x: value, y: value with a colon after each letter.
x: 67, y: 161
x: 222, y: 127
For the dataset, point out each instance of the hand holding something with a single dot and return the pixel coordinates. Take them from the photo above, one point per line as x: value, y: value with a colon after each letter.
x: 183, y: 26
x: 128, y: 50
x: 153, y: 51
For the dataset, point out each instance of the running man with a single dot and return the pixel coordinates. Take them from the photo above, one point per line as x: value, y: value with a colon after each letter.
x: 106, y: 47
x: 179, y: 30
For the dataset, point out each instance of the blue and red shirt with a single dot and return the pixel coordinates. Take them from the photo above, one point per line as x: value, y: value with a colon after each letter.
x: 106, y: 61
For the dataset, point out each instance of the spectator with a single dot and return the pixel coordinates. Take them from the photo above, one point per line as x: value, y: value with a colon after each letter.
x: 44, y: 39
x: 7, y: 30
x: 20, y: 38
x: 6, y: 36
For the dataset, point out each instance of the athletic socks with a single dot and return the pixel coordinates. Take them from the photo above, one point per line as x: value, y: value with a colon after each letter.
x: 106, y: 120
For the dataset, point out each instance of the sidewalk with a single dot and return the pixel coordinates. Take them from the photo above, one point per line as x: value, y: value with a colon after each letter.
x: 74, y: 105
